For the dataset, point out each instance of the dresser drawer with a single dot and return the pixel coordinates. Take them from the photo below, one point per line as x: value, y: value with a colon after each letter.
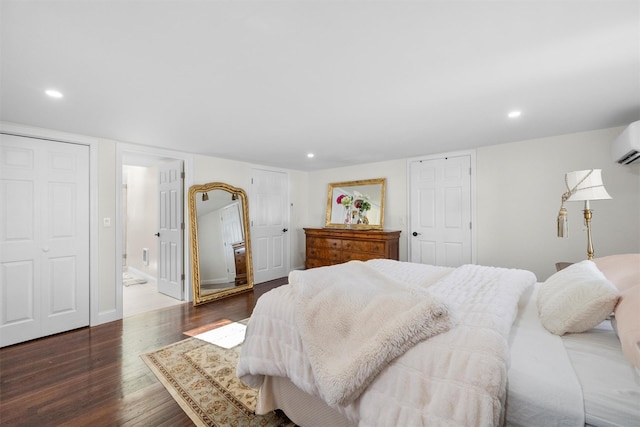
x: 359, y: 256
x: 362, y: 246
x: 313, y: 263
x: 329, y: 246
x: 321, y: 242
x: 326, y: 254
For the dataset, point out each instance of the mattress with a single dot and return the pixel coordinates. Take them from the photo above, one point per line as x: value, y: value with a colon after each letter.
x: 610, y: 384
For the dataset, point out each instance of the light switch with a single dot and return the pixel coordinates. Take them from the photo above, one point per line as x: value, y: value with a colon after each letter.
x: 107, y: 222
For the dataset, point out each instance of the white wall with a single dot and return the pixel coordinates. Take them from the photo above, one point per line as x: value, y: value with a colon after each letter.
x: 518, y: 196
x: 142, y: 217
x: 106, y: 292
x: 519, y: 186
x: 212, y: 169
x: 299, y: 211
x: 213, y: 262
x: 395, y: 216
x: 519, y: 189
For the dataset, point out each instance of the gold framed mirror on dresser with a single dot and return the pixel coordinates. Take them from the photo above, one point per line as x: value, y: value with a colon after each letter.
x: 356, y: 204
x: 327, y: 246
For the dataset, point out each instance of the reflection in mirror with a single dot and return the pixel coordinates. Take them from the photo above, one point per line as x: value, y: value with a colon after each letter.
x: 356, y: 204
x: 220, y: 244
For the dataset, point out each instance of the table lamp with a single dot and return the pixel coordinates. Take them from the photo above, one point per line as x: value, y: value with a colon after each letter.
x: 584, y: 185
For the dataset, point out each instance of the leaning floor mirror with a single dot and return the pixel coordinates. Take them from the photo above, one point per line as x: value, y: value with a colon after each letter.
x: 221, y: 262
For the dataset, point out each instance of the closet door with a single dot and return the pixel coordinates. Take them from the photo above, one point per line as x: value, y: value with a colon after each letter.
x: 440, y: 206
x: 44, y: 238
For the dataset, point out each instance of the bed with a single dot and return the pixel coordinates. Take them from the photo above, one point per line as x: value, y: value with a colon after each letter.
x: 345, y: 346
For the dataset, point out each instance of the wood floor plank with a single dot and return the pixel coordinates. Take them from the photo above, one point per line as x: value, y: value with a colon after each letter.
x: 95, y: 376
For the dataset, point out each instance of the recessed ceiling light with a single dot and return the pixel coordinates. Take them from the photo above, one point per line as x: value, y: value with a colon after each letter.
x: 514, y: 114
x: 310, y: 155
x: 54, y: 93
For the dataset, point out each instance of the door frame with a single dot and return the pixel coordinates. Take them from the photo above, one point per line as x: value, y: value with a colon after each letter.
x: 474, y: 227
x: 142, y: 150
x: 95, y: 317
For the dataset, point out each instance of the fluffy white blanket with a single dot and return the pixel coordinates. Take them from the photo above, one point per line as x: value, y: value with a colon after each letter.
x: 456, y: 378
x: 354, y: 320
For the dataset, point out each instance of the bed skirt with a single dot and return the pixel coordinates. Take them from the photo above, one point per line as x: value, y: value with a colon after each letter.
x: 301, y: 408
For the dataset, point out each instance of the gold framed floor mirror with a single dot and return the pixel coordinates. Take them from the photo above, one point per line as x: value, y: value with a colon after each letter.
x: 221, y: 259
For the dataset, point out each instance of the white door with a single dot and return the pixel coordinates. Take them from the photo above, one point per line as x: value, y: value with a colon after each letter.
x: 440, y: 207
x: 269, y: 213
x: 44, y: 238
x: 171, y: 229
x: 231, y: 233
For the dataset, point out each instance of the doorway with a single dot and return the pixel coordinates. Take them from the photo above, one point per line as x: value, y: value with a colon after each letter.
x: 140, y: 246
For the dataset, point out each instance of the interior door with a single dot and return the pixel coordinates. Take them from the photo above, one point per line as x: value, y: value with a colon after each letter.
x: 231, y: 233
x: 269, y: 224
x: 171, y: 229
x: 440, y: 207
x: 44, y: 238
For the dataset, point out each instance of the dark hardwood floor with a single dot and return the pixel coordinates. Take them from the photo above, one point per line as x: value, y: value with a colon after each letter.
x: 95, y: 377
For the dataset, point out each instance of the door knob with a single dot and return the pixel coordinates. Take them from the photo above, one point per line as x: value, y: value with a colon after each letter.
x: 284, y: 230
x: 415, y: 233
x: 157, y: 234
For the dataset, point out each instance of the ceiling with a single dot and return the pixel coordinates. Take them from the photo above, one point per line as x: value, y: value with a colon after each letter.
x: 353, y: 82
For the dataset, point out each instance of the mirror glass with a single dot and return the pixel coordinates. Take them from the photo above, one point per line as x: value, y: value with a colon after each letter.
x: 220, y: 244
x: 356, y: 204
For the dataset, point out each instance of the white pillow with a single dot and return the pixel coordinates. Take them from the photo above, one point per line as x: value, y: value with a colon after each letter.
x: 576, y: 299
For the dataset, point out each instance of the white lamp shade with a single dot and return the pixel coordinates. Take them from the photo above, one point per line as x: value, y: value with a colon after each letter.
x: 589, y: 188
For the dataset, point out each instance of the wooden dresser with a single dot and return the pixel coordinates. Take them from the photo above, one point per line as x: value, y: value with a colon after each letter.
x: 327, y: 246
x: 240, y: 256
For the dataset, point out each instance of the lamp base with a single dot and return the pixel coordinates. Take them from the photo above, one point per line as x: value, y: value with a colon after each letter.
x: 587, y: 220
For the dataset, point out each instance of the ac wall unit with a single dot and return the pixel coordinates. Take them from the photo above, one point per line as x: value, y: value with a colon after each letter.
x: 626, y: 148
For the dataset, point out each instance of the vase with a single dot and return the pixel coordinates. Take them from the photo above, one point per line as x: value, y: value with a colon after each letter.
x: 347, y: 217
x: 362, y: 217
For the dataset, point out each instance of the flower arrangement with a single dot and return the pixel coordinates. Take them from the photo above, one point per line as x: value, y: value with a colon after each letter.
x: 362, y: 205
x: 344, y: 200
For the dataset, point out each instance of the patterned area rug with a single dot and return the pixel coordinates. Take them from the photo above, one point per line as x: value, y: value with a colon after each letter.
x: 201, y: 377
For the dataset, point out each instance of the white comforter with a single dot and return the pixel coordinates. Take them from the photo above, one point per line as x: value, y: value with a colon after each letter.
x: 455, y: 378
x: 353, y: 320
